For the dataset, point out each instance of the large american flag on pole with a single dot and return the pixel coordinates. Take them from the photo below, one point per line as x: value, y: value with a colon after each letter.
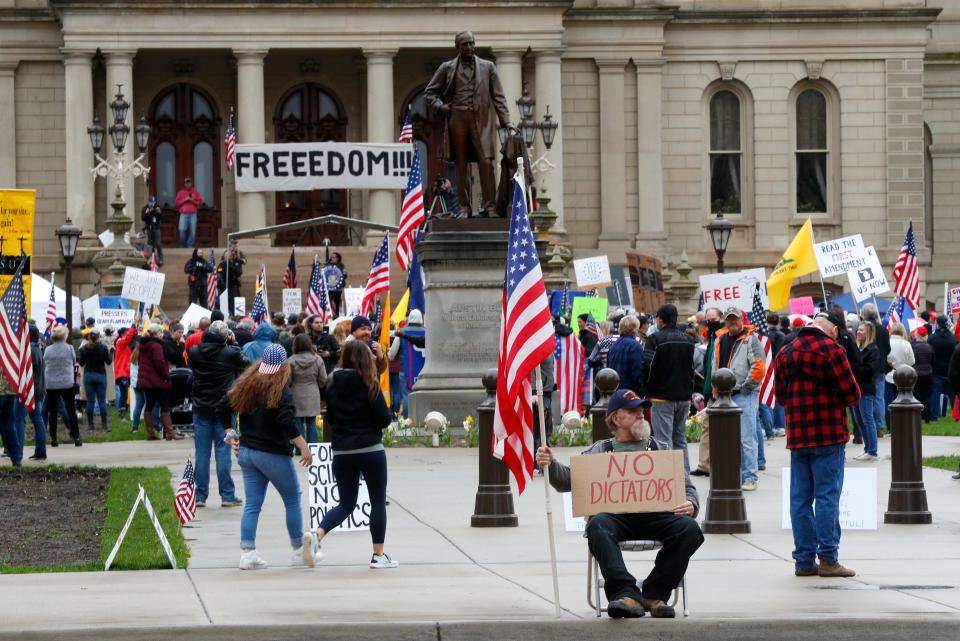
x: 15, y: 354
x: 259, y: 310
x: 379, y: 279
x: 290, y: 275
x: 51, y: 318
x: 230, y: 140
x: 406, y: 132
x: 758, y: 319
x: 412, y: 213
x: 526, y: 338
x: 569, y: 372
x: 212, y: 283
x: 318, y: 299
x: 906, y: 272
x: 185, y: 498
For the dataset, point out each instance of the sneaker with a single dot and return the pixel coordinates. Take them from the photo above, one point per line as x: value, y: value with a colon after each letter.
x: 231, y: 503
x: 811, y: 571
x: 201, y: 504
x: 252, y: 561
x: 865, y: 457
x: 834, y: 570
x: 658, y: 609
x: 382, y: 562
x: 762, y: 468
x: 310, y: 551
x: 779, y: 432
x: 749, y: 486
x: 956, y: 476
x: 625, y: 608
x: 699, y: 472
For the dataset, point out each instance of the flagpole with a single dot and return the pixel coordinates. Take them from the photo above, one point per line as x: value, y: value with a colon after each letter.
x: 548, y: 503
x: 823, y: 288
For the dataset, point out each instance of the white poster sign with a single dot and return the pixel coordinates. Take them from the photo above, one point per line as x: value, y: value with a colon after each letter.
x: 292, y: 297
x: 91, y: 307
x: 734, y: 288
x: 868, y: 280
x: 858, y: 499
x: 324, y: 493
x: 193, y: 315
x: 322, y: 165
x: 352, y: 297
x: 572, y: 523
x: 838, y: 256
x: 106, y: 238
x: 593, y: 272
x: 225, y: 302
x: 239, y: 306
x: 143, y: 286
x: 115, y: 318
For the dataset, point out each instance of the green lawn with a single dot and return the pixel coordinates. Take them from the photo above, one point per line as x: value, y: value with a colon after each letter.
x: 120, y: 430
x: 944, y: 427
x: 141, y: 549
x: 951, y: 463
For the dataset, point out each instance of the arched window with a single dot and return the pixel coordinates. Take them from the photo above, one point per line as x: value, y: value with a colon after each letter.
x: 726, y: 153
x: 186, y: 142
x: 815, y: 112
x: 311, y: 113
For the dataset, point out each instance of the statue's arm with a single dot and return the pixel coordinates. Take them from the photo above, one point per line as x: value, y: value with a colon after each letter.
x: 432, y: 94
x: 498, y: 98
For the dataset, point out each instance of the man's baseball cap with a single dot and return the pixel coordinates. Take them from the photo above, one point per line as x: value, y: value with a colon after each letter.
x: 733, y: 310
x: 625, y: 399
x: 188, y: 179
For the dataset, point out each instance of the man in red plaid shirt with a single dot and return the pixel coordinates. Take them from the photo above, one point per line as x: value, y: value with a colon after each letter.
x: 816, y: 385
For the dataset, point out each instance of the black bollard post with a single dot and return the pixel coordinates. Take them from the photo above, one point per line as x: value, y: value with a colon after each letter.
x: 494, y: 503
x: 726, y: 508
x: 606, y: 381
x: 907, y: 500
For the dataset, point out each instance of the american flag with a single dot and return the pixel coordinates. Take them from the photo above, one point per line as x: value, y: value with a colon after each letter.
x: 758, y: 319
x: 590, y: 325
x: 290, y: 276
x: 51, y: 318
x: 259, y: 310
x: 153, y: 261
x: 412, y: 213
x: 526, y: 338
x: 570, y: 372
x: 212, y: 283
x: 906, y: 272
x: 406, y: 132
x: 15, y: 354
x: 230, y: 140
x: 185, y: 498
x: 379, y: 279
x: 895, y: 311
x: 316, y: 288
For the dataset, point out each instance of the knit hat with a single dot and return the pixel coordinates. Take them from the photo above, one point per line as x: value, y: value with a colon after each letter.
x: 358, y: 322
x: 273, y: 357
x: 797, y: 322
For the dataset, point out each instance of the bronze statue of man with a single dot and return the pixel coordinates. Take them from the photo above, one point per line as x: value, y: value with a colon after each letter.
x: 466, y: 92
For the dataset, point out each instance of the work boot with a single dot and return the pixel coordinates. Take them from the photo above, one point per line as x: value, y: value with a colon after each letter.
x: 811, y: 571
x: 834, y: 570
x: 658, y: 609
x: 168, y: 432
x: 148, y: 422
x: 624, y: 608
x: 90, y: 427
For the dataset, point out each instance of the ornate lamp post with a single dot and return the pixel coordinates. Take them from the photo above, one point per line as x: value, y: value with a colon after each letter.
x: 720, y: 229
x: 69, y: 235
x: 111, y: 261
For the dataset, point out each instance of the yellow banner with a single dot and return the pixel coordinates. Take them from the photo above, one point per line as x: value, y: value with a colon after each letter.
x: 17, y: 207
x: 385, y: 346
x: 797, y: 261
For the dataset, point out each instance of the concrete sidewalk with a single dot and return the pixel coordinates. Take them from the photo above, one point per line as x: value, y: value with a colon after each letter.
x: 451, y: 572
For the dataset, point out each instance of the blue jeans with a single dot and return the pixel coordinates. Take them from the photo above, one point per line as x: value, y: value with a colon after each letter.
x: 879, y: 407
x: 260, y: 469
x: 761, y: 447
x: 12, y: 439
x: 95, y: 386
x: 188, y: 229
x: 139, y: 403
x: 748, y: 434
x: 816, y: 479
x: 941, y: 386
x: 308, y: 428
x: 121, y: 385
x: 39, y: 428
x: 208, y: 429
x: 779, y: 417
x: 668, y: 420
x: 863, y: 415
x: 153, y: 239
x: 766, y: 420
x: 398, y: 394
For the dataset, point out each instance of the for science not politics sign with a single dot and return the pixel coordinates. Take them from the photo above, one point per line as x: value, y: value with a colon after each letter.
x: 322, y: 165
x: 325, y: 494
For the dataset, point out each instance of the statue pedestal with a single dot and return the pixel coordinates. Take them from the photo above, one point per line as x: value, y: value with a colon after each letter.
x: 463, y: 286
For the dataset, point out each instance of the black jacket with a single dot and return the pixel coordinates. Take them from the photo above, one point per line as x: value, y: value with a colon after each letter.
x: 849, y: 344
x: 151, y: 216
x: 883, y: 339
x: 943, y: 344
x: 327, y: 343
x: 173, y: 351
x: 777, y: 340
x: 953, y: 374
x: 94, y: 357
x: 923, y: 359
x: 871, y: 364
x: 667, y: 369
x: 271, y: 430
x: 215, y: 366
x: 354, y: 419
x: 243, y: 336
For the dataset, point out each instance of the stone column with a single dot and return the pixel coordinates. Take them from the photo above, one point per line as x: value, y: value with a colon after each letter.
x: 651, y: 232
x: 510, y: 70
x: 381, y: 127
x: 613, y: 220
x: 78, y: 96
x: 548, y: 84
x: 120, y: 72
x: 251, y: 206
x: 8, y: 125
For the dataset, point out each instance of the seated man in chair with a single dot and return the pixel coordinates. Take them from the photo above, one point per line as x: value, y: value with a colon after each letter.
x: 678, y: 530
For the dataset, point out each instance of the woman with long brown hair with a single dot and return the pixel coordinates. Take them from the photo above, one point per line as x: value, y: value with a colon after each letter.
x: 357, y: 414
x: 264, y: 405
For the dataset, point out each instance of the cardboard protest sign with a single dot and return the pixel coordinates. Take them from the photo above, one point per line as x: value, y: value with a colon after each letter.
x: 143, y: 285
x: 588, y: 305
x: 802, y: 305
x: 838, y: 256
x: 868, y: 280
x: 734, y: 288
x: 627, y: 482
x: 593, y: 272
x: 115, y: 318
x: 292, y: 300
x: 325, y: 495
x: 858, y: 499
x: 646, y: 277
x: 193, y: 315
x: 17, y: 207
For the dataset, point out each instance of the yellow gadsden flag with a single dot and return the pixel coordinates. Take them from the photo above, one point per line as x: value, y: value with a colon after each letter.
x: 797, y: 261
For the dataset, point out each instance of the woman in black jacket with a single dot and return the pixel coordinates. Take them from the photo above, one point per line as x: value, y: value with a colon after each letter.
x: 264, y: 405
x: 94, y: 356
x: 357, y: 415
x: 872, y: 363
x: 196, y: 269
